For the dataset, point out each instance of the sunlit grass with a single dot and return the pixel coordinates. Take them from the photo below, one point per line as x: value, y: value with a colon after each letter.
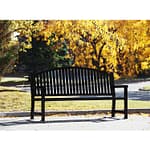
x: 13, y: 100
x: 14, y: 79
x: 146, y: 88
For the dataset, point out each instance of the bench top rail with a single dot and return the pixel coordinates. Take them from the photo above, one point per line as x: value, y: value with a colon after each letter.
x: 72, y: 81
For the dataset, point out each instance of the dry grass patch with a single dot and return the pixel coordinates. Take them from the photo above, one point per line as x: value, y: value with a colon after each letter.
x: 13, y: 100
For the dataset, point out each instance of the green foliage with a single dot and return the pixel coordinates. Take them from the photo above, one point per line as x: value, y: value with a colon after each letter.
x: 59, y: 53
x: 121, y: 46
x: 43, y: 56
x: 8, y: 49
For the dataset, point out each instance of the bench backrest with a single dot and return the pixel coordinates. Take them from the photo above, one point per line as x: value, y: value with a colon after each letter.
x: 72, y: 81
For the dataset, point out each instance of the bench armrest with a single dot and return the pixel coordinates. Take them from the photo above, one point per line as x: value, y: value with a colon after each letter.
x: 120, y: 86
x: 125, y: 87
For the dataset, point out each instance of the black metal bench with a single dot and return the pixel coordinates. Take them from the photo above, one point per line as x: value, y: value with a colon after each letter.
x: 74, y: 83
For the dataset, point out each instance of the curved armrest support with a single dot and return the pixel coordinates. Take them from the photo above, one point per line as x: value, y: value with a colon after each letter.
x: 121, y: 86
x: 125, y: 87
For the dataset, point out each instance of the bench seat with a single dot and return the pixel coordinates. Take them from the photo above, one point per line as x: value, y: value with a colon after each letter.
x: 75, y: 83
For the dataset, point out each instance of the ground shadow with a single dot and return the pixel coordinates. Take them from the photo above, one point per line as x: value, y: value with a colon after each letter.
x: 11, y: 90
x: 14, y: 83
x: 139, y: 95
x: 136, y: 95
x: 28, y: 121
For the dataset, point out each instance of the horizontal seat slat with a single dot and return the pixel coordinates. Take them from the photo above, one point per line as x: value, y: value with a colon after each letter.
x: 80, y: 98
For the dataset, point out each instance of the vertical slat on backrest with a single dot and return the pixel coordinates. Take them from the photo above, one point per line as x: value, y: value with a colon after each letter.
x: 77, y: 81
x: 44, y: 81
x: 111, y: 83
x: 99, y: 82
x: 104, y: 83
x: 104, y: 79
x: 50, y: 81
x: 67, y: 81
x: 90, y: 82
x: 60, y: 82
x: 53, y: 82
x: 47, y: 82
x: 73, y: 82
x: 83, y: 82
x: 57, y: 80
x: 86, y: 82
x: 108, y: 83
x: 80, y: 78
x: 64, y: 80
x: 41, y: 84
x: 37, y: 85
x: 70, y: 81
x: 93, y: 81
x: 96, y: 82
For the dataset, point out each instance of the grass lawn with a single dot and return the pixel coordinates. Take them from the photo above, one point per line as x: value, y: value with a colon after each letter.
x: 13, y: 81
x: 13, y: 100
x: 145, y: 88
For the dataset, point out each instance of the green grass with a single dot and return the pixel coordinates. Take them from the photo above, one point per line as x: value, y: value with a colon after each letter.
x: 13, y: 81
x: 13, y: 100
x: 145, y: 88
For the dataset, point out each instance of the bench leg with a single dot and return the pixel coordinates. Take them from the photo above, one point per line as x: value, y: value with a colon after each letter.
x: 125, y: 104
x: 43, y: 110
x: 125, y: 109
x: 32, y: 108
x: 113, y: 107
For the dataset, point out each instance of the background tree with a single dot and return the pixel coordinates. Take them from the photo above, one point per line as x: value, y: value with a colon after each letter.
x: 120, y: 46
x: 43, y: 56
x: 87, y: 39
x: 8, y: 48
x: 133, y: 55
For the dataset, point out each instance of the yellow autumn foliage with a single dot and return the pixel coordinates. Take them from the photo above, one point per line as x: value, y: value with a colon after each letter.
x: 121, y: 46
